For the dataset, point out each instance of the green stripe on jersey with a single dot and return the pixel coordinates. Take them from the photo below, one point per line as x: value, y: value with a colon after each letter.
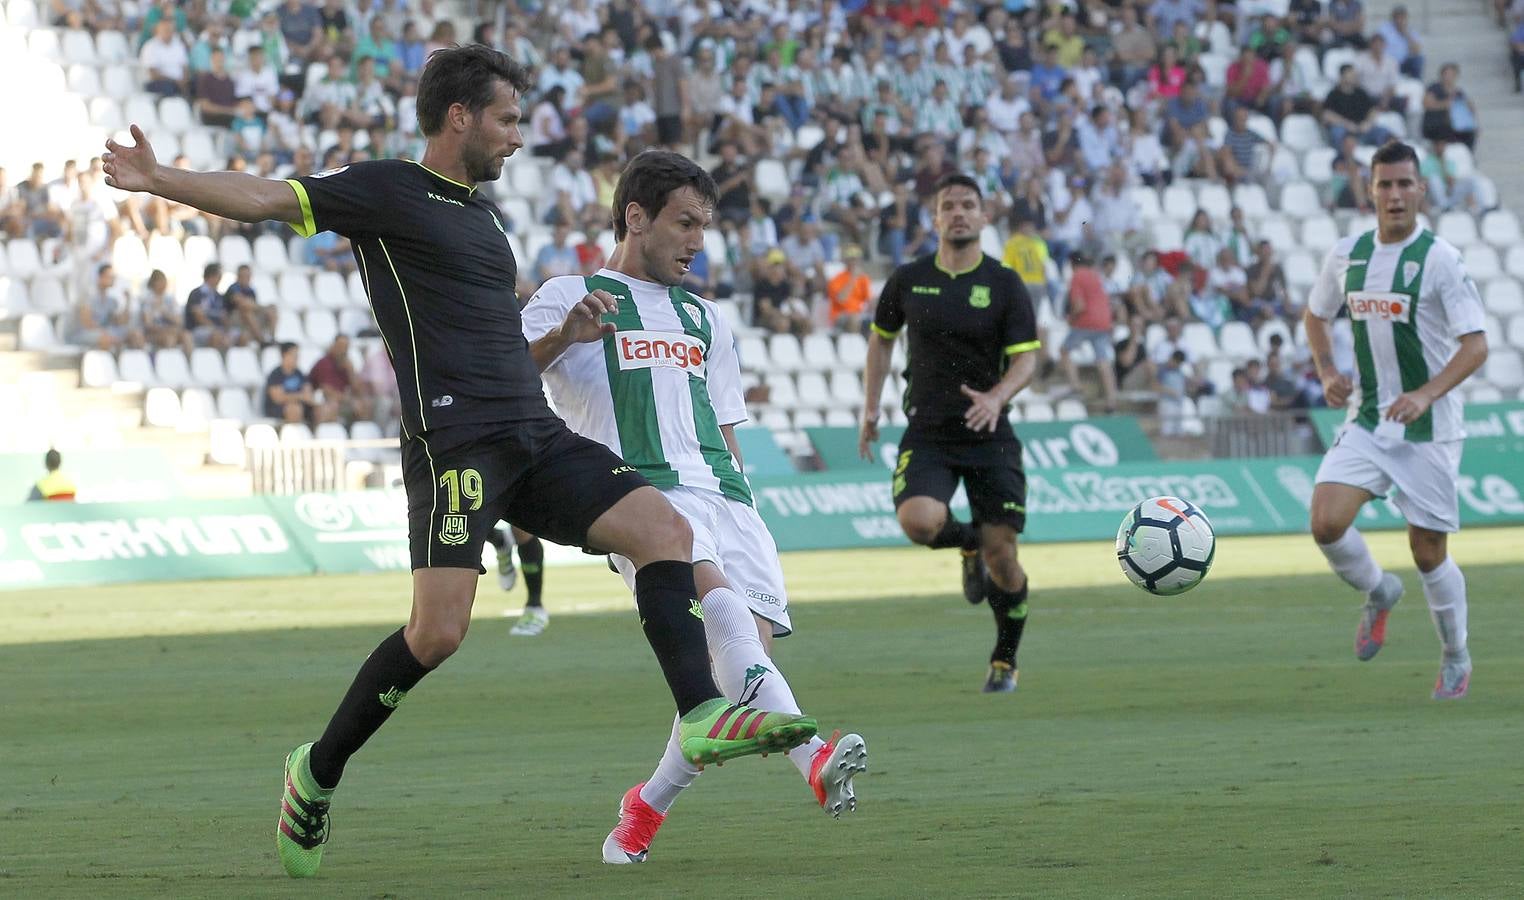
x: 633, y: 396
x: 1354, y: 280
x: 1411, y: 366
x: 705, y: 424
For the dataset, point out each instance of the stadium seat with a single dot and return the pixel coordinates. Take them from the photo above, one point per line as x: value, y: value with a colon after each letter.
x: 1147, y: 200
x: 1482, y: 263
x: 175, y: 116
x: 288, y: 327
x: 785, y: 353
x: 1179, y: 203
x: 172, y: 369
x: 321, y: 325
x: 1214, y: 198
x: 812, y: 390
x: 270, y: 255
x: 1236, y: 340
x: 1199, y: 338
x: 1319, y: 234
x: 776, y: 420
x: 130, y: 258
x: 354, y: 321
x: 43, y: 43
x: 136, y: 367
x: 1033, y: 410
x: 197, y: 251
x: 1070, y: 410
x: 1252, y: 200
x: 329, y: 290
x: 330, y: 431
x: 97, y: 369
x: 1166, y: 234
x: 207, y: 369
x: 840, y: 418
x: 197, y: 409
x: 1504, y: 369
x: 141, y: 111
x: 1500, y: 228
x: 166, y: 255
x: 295, y: 433
x: 1484, y: 393
x: 851, y: 352
x: 1220, y: 373
x: 1393, y: 122
x: 23, y: 258
x: 808, y: 418
x: 1277, y: 231
x: 1504, y: 297
x: 1299, y: 200
x: 161, y: 408
x: 819, y: 352
x: 1514, y: 332
x: 781, y: 392
x: 809, y: 136
x: 1459, y: 228
x: 15, y: 299
x: 1274, y: 327
x: 234, y: 251
x: 22, y: 14
x: 233, y: 403
x: 1317, y: 164
x: 358, y: 299
x: 846, y: 390
x: 111, y: 47
x: 1301, y: 133
x: 261, y: 435
x: 1513, y: 264
x: 893, y: 394
x: 752, y: 351
x: 85, y: 81
x: 1458, y: 155
x: 772, y: 180
x: 200, y: 150
x: 36, y: 333
x: 106, y: 113
x: 295, y: 291
x: 78, y: 47
x: 48, y: 296
x: 118, y: 84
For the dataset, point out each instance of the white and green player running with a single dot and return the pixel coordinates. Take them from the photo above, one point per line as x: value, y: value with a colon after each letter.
x: 634, y: 361
x: 1418, y: 330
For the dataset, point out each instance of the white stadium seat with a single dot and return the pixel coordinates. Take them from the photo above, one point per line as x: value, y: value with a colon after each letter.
x: 772, y: 180
x: 197, y: 409
x: 270, y: 254
x: 1459, y: 228
x: 1037, y: 411
x: 852, y: 351
x: 175, y: 116
x: 207, y: 369
x: 1301, y: 132
x: 785, y: 353
x: 1274, y: 327
x: 1482, y: 263
x: 1214, y: 198
x: 752, y: 351
x: 118, y: 83
x: 321, y: 326
x: 106, y: 113
x: 813, y: 391
x: 86, y: 82
x: 233, y: 403
x: 1147, y: 200
x: 1319, y: 234
x: 780, y: 391
x: 161, y: 408
x: 1317, y: 164
x: 846, y: 390
x: 1299, y: 200
x: 1500, y: 228
x: 36, y: 333
x: 1252, y: 200
x: 78, y: 48
x: 1504, y: 369
x: 295, y: 290
x: 261, y: 434
x: 1070, y: 410
x: 243, y: 369
x: 808, y: 418
x: 136, y: 367
x: 1237, y: 341
x: 172, y: 369
x: 1504, y: 297
x: 234, y: 251
x: 97, y: 368
x: 111, y: 47
x: 329, y: 290
x: 48, y: 296
x: 331, y: 431
x: 819, y: 352
x: 1179, y: 203
x: 288, y: 328
x: 295, y: 433
x: 1199, y: 338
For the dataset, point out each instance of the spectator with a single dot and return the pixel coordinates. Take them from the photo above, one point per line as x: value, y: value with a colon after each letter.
x: 93, y: 222
x: 207, y: 316
x: 381, y: 382
x: 302, y: 27
x: 1447, y: 189
x: 669, y: 77
x: 1228, y: 288
x: 1447, y: 112
x: 159, y: 317
x: 806, y: 252
x: 100, y: 317
x: 733, y: 179
x: 289, y: 395
x: 1237, y: 401
x: 1118, y: 222
x: 574, y: 193
x: 373, y: 105
x: 258, y: 81
x: 56, y: 486
x: 339, y: 31
x: 1073, y: 221
x: 412, y: 53
x: 1238, y: 239
x: 216, y: 97
x: 1185, y: 119
x: 1175, y: 387
x: 1377, y: 72
x: 1099, y: 142
x: 1134, y: 48
x: 1166, y: 77
x: 1174, y: 337
x: 904, y: 227
x: 377, y: 45
x: 1285, y: 393
x: 1150, y: 283
x: 1145, y: 154
x: 547, y: 127
x: 1269, y: 37
x: 247, y: 130
x: 1090, y: 322
x: 1248, y: 82
x: 1003, y: 111
x: 1134, y: 370
x: 165, y: 62
x: 346, y: 397
x: 848, y: 292
x: 1292, y: 85
x: 637, y: 120
x: 1239, y: 160
x: 1516, y: 51
x: 1201, y: 243
x: 1026, y: 144
x: 775, y: 298
x: 1346, y: 19
x: 1348, y: 109
x: 557, y: 257
x: 1348, y: 184
x: 251, y: 319
x: 1269, y: 294
x: 1309, y: 23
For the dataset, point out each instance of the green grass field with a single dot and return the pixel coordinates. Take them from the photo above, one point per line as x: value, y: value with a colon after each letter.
x: 1224, y: 743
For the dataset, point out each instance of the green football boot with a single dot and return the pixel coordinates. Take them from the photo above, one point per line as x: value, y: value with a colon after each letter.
x: 717, y: 730
x: 303, y: 828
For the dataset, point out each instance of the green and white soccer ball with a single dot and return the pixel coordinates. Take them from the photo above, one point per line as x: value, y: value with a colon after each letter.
x: 1165, y: 545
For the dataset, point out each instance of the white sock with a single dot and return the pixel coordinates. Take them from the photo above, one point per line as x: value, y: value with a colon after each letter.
x: 1445, y: 589
x: 744, y: 670
x: 672, y: 774
x: 1352, y: 561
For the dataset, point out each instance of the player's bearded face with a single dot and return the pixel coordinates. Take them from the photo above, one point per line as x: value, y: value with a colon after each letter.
x: 960, y: 216
x: 494, y: 136
x: 669, y: 242
x: 1398, y: 193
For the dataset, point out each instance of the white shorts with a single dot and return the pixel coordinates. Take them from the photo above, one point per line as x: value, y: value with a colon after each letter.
x: 731, y: 535
x: 1425, y: 474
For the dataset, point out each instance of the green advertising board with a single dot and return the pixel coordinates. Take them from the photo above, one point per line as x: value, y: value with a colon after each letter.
x: 101, y: 476
x: 1246, y: 496
x: 352, y: 531
x: 1103, y: 441
x: 1489, y: 426
x: 47, y: 544
x: 761, y: 454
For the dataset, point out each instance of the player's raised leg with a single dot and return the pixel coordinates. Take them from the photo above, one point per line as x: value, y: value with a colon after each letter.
x: 1444, y: 587
x: 929, y: 522
x: 1334, y: 507
x: 501, y: 539
x: 644, y: 528
x: 1008, y: 601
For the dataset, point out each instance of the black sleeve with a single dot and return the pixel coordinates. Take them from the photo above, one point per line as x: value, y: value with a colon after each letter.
x: 348, y: 200
x: 1020, y: 325
x: 889, y: 318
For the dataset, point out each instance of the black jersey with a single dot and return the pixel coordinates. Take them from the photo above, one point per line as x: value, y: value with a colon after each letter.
x: 436, y: 263
x: 963, y: 328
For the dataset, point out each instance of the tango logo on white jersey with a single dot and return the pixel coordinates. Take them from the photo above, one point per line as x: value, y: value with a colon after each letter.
x: 1365, y: 306
x: 658, y: 349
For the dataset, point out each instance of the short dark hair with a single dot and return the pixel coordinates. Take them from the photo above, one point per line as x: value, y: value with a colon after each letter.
x: 958, y: 179
x: 210, y: 270
x: 287, y: 347
x: 1393, y: 152
x: 466, y: 75
x: 52, y: 460
x: 651, y: 177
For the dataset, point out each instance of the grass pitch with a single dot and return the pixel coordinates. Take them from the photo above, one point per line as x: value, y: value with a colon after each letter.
x: 1224, y: 743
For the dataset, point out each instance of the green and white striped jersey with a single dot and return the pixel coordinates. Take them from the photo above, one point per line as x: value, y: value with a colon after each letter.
x: 657, y: 390
x: 1409, y: 304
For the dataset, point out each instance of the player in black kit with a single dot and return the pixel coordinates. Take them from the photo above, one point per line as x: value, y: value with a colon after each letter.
x: 479, y: 441
x: 971, y: 331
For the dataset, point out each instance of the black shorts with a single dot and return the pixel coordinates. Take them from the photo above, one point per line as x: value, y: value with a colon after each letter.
x: 991, y: 472
x: 540, y: 476
x: 669, y: 130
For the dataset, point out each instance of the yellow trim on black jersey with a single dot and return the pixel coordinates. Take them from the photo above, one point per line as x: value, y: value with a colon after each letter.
x: 885, y: 334
x: 308, y: 226
x: 423, y: 422
x: 936, y: 260
x: 1022, y: 347
x: 420, y: 165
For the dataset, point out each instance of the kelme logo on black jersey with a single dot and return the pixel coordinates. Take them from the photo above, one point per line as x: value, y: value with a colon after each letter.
x: 979, y: 296
x: 434, y: 196
x: 327, y: 172
x: 925, y: 289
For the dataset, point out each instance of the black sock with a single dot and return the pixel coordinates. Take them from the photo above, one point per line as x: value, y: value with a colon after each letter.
x: 667, y: 601
x: 384, y: 679
x: 498, y: 538
x: 531, y: 563
x: 1010, y: 621
x: 963, y: 535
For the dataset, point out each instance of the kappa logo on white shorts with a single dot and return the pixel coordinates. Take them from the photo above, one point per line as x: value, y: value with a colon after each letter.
x: 1385, y: 306
x: 658, y: 349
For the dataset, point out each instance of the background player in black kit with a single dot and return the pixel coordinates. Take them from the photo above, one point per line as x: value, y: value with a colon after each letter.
x: 971, y: 331
x: 479, y: 441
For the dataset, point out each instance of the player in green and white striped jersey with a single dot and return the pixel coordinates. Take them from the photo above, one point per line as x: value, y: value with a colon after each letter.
x: 1418, y: 329
x: 655, y: 378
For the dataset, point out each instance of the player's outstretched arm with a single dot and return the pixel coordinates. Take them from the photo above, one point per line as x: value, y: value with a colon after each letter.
x: 231, y: 195
x: 583, y: 323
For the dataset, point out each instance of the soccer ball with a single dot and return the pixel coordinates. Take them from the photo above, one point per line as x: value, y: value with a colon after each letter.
x: 1165, y: 545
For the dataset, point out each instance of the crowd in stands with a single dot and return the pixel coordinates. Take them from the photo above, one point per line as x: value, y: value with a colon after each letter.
x: 826, y: 123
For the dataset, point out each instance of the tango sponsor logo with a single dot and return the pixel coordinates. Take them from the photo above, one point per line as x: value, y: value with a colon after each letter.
x: 658, y: 349
x: 1365, y: 306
